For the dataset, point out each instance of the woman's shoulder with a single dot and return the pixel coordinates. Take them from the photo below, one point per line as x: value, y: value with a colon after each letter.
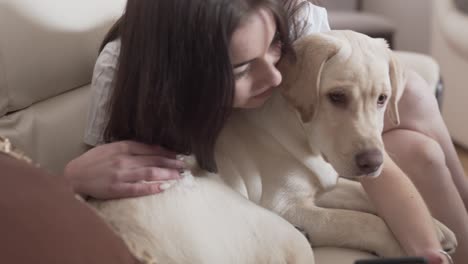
x: 112, y: 47
x: 109, y: 54
x: 314, y: 17
x: 318, y: 12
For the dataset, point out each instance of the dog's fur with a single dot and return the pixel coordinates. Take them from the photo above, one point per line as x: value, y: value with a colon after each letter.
x: 275, y: 158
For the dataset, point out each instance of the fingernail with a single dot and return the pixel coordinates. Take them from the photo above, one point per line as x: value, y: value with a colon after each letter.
x: 165, y: 186
x: 182, y: 174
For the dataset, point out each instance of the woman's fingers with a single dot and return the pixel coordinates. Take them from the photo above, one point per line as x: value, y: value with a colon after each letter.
x: 141, y: 182
x: 149, y: 174
x: 169, y: 163
x: 139, y: 189
x: 130, y: 162
x: 135, y: 148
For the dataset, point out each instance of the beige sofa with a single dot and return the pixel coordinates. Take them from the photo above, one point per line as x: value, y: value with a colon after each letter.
x: 450, y: 48
x: 349, y: 14
x: 47, y: 52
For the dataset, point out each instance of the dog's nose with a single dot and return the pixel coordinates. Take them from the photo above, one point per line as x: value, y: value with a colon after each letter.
x: 369, y: 161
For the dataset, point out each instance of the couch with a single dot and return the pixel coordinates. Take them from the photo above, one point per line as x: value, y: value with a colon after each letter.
x: 350, y: 15
x: 450, y: 48
x: 47, y: 53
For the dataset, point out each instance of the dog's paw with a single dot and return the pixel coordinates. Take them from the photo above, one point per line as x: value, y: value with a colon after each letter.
x: 392, y: 249
x: 387, y: 245
x: 446, y: 237
x: 379, y: 239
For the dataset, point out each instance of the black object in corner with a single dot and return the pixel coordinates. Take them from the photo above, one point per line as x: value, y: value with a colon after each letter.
x: 404, y: 260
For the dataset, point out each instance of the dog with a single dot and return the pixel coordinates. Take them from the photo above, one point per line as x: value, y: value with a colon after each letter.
x: 279, y: 167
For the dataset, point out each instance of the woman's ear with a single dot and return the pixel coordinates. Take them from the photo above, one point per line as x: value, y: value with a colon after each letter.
x: 301, y: 75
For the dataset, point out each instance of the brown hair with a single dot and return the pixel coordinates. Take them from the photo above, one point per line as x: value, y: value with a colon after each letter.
x: 174, y: 84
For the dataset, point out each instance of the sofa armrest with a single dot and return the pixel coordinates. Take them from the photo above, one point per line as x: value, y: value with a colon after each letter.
x: 454, y: 27
x: 423, y: 64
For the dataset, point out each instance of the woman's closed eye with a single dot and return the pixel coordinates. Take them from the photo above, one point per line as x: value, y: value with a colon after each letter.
x: 242, y: 71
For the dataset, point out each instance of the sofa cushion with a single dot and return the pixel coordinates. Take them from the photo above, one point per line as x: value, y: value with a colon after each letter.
x: 47, y: 52
x: 51, y: 131
x: 48, y: 47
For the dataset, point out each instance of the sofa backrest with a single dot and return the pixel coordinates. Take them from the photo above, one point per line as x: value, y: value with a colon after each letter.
x: 339, y: 5
x: 47, y: 52
x: 462, y: 5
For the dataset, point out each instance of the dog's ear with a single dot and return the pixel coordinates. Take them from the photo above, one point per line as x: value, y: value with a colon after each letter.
x: 398, y: 82
x: 301, y: 73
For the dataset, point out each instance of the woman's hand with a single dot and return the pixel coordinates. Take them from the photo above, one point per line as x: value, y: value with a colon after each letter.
x: 436, y: 257
x: 399, y: 203
x: 117, y: 170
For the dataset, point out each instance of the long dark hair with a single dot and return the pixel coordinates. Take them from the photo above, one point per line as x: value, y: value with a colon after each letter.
x: 174, y: 84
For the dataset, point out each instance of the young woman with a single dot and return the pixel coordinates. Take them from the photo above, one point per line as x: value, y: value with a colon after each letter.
x: 171, y: 71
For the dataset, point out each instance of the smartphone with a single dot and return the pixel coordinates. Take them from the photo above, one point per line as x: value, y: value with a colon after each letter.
x: 403, y: 260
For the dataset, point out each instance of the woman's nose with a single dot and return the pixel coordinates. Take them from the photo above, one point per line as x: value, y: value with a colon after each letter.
x: 272, y: 76
x: 276, y: 76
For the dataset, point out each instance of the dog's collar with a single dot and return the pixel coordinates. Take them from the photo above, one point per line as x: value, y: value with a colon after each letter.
x: 7, y: 148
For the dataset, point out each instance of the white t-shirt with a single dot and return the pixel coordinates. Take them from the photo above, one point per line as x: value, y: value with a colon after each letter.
x: 314, y: 19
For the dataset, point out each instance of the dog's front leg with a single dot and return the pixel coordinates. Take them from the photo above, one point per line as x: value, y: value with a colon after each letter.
x: 347, y: 194
x: 345, y: 228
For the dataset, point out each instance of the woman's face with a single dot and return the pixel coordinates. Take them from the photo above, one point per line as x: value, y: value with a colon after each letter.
x: 254, y: 52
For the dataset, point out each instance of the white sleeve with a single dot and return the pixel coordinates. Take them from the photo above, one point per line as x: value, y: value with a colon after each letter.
x: 313, y: 19
x: 101, y: 90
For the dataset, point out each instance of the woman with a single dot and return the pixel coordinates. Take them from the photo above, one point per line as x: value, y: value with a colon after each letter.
x: 195, y: 60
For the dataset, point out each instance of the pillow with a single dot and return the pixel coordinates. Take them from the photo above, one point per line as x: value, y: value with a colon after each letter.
x: 43, y: 222
x: 462, y: 5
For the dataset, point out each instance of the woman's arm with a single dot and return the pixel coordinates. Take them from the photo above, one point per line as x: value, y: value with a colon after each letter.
x: 101, y: 91
x: 400, y: 204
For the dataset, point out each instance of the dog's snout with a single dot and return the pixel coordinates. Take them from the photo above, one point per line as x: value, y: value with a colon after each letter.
x: 369, y: 161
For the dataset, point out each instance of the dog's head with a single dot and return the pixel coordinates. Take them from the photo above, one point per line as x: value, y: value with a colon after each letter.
x: 341, y: 84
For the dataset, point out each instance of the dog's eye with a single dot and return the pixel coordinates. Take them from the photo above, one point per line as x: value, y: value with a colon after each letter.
x: 337, y: 98
x: 382, y: 99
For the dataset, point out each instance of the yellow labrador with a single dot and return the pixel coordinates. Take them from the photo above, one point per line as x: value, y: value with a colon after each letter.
x: 281, y: 162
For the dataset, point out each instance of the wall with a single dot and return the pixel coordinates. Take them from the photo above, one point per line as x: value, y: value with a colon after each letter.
x: 412, y: 19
